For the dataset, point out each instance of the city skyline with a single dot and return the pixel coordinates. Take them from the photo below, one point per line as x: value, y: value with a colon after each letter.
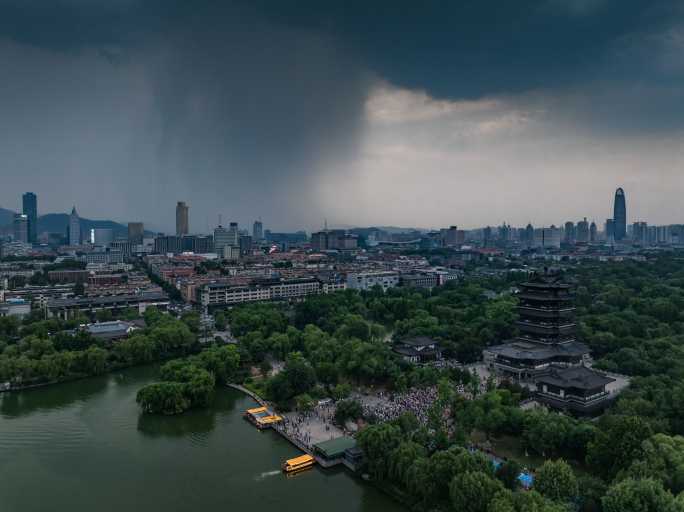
x: 311, y: 113
x: 183, y: 222
x: 582, y: 230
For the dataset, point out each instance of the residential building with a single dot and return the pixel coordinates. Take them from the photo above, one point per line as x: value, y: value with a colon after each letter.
x: 583, y: 231
x: 231, y: 252
x: 217, y: 294
x: 570, y: 235
x: 367, y: 280
x: 125, y: 247
x: 420, y: 280
x: 593, y: 232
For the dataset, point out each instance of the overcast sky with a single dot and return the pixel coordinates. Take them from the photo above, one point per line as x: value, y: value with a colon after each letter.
x: 365, y: 113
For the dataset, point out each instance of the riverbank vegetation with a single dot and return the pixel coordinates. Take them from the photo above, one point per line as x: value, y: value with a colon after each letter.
x: 188, y: 383
x: 36, y: 352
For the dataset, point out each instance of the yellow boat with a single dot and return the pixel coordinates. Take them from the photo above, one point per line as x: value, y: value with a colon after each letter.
x: 298, y: 463
x: 261, y: 417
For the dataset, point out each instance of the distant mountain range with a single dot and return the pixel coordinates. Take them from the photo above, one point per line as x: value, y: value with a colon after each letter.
x: 58, y: 222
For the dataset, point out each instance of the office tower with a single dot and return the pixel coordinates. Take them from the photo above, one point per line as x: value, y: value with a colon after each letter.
x: 487, y: 236
x: 319, y: 241
x: 619, y: 215
x: 233, y: 235
x: 74, y: 234
x: 168, y: 244
x: 245, y: 245
x: 593, y: 232
x: 529, y: 235
x: 570, y: 233
x: 21, y: 228
x: 199, y: 244
x: 101, y: 236
x: 30, y: 209
x: 136, y: 232
x: 257, y: 231
x: 547, y: 238
x: 583, y: 231
x: 221, y: 239
x: 182, y: 221
x: 610, y: 230
x: 450, y: 236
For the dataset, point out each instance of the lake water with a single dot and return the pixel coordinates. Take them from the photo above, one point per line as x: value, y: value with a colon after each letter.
x: 84, y: 446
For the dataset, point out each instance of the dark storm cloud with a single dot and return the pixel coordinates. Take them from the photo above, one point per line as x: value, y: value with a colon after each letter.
x: 238, y: 106
x: 476, y: 48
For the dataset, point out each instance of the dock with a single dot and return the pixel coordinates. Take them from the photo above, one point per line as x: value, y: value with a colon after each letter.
x: 327, y: 453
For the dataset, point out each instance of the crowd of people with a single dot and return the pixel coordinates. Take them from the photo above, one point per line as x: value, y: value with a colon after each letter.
x: 417, y: 401
x: 300, y: 425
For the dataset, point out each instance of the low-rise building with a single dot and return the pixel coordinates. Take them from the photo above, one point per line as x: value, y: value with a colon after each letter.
x: 367, y: 280
x: 419, y: 349
x: 68, y: 308
x: 15, y: 307
x: 110, y: 331
x: 420, y: 280
x: 575, y: 389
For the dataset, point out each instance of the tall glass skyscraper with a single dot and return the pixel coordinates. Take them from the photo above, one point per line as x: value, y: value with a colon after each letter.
x: 30, y: 209
x: 619, y: 215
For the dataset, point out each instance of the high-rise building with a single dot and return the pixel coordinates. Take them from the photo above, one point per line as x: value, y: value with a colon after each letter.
x: 640, y: 233
x: 619, y: 215
x: 74, y: 234
x: 233, y: 234
x: 593, y: 232
x: 136, y: 232
x: 450, y: 236
x: 168, y: 244
x: 182, y: 219
x: 257, y: 231
x: 101, y: 236
x: 21, y: 228
x: 610, y: 230
x: 583, y: 231
x: 245, y: 245
x: 319, y: 241
x: 570, y: 235
x: 30, y: 209
x: 487, y: 237
x: 221, y: 239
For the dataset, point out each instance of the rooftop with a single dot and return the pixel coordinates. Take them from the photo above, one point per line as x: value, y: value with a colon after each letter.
x: 335, y: 447
x: 579, y: 377
x: 528, y: 350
